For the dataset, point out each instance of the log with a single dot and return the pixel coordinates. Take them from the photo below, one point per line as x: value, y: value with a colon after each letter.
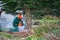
x: 23, y: 33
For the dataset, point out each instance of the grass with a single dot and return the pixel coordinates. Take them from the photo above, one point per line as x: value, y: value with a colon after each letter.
x: 9, y: 36
x: 38, y: 31
x: 56, y: 20
x: 47, y: 20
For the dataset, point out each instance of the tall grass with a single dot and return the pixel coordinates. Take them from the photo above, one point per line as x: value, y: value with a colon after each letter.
x: 48, y: 24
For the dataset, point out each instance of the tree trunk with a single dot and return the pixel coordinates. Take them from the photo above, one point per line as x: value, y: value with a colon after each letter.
x: 28, y: 17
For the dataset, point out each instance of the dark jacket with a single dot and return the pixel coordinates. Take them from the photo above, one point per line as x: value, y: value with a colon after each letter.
x: 15, y: 24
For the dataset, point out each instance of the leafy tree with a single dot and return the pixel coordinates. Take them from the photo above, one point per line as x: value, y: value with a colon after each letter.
x: 43, y: 6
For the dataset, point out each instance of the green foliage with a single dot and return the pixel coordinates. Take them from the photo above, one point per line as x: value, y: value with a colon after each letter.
x: 35, y: 4
x: 6, y: 35
x: 48, y: 24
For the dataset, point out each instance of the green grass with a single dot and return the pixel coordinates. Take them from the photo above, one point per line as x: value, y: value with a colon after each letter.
x: 37, y: 30
x: 6, y: 35
x: 56, y: 20
x: 9, y: 36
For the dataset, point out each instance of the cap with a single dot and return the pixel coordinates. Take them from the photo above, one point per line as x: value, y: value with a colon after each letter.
x: 19, y: 11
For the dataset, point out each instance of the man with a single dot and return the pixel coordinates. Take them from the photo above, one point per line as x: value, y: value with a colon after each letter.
x: 17, y: 22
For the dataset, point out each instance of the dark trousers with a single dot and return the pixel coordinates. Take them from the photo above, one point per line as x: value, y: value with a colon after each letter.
x: 14, y: 30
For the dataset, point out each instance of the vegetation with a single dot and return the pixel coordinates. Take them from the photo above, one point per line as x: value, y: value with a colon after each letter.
x: 42, y: 7
x: 46, y: 11
x: 45, y: 26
